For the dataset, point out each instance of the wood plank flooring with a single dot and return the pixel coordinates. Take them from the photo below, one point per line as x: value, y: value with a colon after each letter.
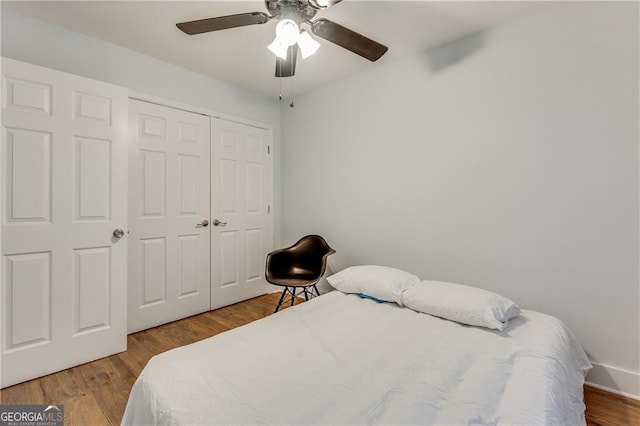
x: 96, y: 393
x: 606, y: 408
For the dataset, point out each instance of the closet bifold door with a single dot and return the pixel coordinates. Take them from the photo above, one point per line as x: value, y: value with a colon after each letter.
x: 169, y: 244
x: 242, y: 218
x: 64, y: 221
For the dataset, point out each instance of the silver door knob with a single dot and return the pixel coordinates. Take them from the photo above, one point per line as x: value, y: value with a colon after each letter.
x: 216, y: 222
x: 118, y: 233
x: 202, y: 224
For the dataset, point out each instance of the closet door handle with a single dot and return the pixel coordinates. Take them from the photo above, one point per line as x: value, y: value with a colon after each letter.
x: 216, y: 222
x: 202, y: 224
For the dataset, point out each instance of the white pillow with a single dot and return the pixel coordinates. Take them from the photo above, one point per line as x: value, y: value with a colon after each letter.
x: 461, y: 303
x: 381, y: 282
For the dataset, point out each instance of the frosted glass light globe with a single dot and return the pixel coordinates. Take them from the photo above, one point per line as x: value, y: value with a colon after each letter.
x: 287, y: 32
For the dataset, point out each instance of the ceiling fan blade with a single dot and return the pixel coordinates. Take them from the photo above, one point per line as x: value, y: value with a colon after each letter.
x: 223, y: 22
x: 287, y: 67
x: 348, y: 39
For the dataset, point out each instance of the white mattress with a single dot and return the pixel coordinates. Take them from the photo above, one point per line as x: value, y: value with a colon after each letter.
x: 340, y: 359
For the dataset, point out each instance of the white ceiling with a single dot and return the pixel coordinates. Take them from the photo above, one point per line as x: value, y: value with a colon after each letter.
x: 239, y: 56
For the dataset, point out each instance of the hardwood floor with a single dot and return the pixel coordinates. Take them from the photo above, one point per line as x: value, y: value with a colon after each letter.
x: 606, y: 408
x: 96, y: 393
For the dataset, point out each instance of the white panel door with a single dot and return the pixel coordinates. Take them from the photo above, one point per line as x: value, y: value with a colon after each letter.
x: 169, y: 193
x: 64, y: 191
x: 241, y: 202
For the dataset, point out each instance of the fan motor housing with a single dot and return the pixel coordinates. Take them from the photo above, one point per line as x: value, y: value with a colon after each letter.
x: 298, y: 10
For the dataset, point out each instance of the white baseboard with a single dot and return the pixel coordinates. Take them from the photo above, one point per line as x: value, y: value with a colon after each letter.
x: 615, y: 380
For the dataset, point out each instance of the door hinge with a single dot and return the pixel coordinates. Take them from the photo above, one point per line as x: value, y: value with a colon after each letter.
x: 268, y: 149
x: 268, y: 208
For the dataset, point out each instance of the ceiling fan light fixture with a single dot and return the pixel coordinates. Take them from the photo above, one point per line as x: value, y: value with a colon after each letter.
x: 290, y: 14
x: 308, y: 46
x: 278, y: 48
x: 288, y: 32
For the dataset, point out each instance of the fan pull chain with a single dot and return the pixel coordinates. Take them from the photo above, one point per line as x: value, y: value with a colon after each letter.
x: 279, y: 65
x: 292, y: 94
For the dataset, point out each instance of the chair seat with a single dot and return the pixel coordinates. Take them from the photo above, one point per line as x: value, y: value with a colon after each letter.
x: 293, y: 282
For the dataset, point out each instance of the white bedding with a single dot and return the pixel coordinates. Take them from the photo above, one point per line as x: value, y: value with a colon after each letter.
x: 340, y: 359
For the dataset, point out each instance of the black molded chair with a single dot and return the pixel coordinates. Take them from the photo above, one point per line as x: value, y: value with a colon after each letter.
x: 299, y: 266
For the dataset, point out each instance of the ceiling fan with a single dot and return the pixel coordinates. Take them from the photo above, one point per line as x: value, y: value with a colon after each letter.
x: 290, y: 15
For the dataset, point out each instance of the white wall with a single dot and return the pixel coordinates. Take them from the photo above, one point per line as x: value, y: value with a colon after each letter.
x: 30, y: 40
x: 507, y: 160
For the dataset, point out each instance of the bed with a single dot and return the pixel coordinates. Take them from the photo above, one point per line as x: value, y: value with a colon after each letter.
x: 344, y: 359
